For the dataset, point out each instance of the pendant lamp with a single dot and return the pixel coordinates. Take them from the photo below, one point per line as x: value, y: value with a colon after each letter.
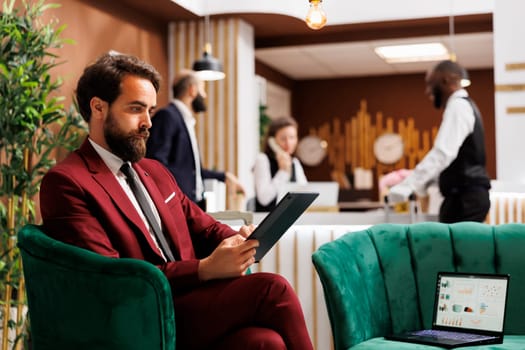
x: 208, y: 68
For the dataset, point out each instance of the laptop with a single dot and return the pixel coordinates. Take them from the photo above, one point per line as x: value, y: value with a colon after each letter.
x: 275, y: 224
x: 328, y: 192
x: 469, y: 309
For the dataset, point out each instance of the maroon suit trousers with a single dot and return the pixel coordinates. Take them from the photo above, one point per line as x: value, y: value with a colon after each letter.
x: 257, y: 311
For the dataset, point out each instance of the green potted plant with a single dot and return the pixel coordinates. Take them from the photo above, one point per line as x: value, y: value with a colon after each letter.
x: 264, y: 122
x: 33, y: 126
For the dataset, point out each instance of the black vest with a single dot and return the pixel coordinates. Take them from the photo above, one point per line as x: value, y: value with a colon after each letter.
x: 274, y: 167
x: 467, y: 172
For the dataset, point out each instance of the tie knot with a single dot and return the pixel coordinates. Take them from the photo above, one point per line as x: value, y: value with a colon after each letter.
x: 126, y: 170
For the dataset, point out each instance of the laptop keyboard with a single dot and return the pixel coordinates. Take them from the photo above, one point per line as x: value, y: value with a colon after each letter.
x: 451, y: 335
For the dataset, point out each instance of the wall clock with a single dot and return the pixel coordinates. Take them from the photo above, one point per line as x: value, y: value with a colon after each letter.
x: 311, y: 150
x: 389, y: 148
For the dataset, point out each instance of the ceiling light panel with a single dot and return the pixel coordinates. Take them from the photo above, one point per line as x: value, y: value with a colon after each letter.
x: 434, y: 51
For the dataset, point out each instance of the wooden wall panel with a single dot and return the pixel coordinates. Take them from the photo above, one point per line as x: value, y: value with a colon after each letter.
x: 100, y: 26
x: 216, y: 129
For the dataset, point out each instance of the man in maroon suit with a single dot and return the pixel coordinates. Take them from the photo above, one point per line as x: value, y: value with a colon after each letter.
x: 90, y: 200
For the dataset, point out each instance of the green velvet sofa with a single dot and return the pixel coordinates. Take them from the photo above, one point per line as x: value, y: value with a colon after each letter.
x: 80, y: 300
x: 382, y: 280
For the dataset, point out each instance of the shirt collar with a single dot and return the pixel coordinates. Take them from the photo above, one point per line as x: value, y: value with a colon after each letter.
x: 459, y: 93
x: 186, y: 112
x: 112, y: 161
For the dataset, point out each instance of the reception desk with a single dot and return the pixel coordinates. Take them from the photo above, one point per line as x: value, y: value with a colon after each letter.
x: 506, y: 207
x: 370, y: 217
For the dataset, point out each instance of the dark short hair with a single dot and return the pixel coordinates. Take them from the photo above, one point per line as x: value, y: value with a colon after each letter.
x: 449, y: 67
x: 182, y: 84
x: 276, y: 125
x: 103, y: 77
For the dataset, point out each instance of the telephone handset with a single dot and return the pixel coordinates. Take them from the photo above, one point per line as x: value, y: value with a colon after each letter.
x: 274, y: 146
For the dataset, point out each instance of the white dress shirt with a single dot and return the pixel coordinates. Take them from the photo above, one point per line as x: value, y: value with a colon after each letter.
x: 190, y: 122
x: 457, y: 124
x: 266, y: 187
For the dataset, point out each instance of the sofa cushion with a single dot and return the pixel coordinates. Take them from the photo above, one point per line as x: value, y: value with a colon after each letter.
x: 511, y: 342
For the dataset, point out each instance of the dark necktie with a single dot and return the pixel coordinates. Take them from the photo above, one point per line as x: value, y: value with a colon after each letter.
x: 146, y: 209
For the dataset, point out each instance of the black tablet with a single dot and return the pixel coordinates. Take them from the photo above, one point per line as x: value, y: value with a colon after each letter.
x: 275, y: 224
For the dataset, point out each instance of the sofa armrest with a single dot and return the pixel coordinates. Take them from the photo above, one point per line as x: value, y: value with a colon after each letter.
x: 354, y: 289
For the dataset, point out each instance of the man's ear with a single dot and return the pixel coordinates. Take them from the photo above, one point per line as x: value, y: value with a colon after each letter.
x: 98, y: 107
x: 193, y: 90
x: 451, y: 79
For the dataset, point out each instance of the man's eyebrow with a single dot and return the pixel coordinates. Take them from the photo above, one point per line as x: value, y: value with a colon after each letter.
x: 142, y: 104
x: 136, y: 102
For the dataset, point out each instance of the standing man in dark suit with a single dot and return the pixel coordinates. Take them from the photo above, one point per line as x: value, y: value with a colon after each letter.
x: 91, y: 200
x: 173, y: 141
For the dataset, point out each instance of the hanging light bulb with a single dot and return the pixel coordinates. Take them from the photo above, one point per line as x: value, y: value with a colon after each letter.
x: 208, y: 68
x: 316, y: 17
x: 465, y: 79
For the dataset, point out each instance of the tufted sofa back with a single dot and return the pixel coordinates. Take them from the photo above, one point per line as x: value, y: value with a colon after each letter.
x: 382, y: 279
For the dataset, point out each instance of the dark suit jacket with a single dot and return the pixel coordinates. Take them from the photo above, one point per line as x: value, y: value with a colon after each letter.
x: 170, y: 144
x: 83, y: 204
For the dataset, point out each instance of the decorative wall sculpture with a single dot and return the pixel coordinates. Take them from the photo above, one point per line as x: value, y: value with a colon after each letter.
x: 351, y: 142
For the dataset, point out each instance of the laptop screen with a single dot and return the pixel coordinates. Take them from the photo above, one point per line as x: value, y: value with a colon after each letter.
x: 471, y: 301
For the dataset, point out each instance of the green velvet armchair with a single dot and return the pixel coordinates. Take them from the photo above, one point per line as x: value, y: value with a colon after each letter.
x: 382, y: 280
x: 84, y: 301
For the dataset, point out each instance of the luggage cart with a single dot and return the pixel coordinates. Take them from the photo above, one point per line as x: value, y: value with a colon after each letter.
x: 414, y: 213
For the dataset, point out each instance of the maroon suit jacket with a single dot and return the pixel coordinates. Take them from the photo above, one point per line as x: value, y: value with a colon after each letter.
x: 83, y: 204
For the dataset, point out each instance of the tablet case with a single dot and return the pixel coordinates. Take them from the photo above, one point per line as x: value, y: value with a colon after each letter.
x: 275, y: 224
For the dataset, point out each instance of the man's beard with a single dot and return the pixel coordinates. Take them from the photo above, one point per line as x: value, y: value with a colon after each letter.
x: 198, y: 105
x: 438, y: 97
x: 130, y: 147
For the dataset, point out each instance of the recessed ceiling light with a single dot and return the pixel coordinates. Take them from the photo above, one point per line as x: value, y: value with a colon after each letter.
x: 413, y: 52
